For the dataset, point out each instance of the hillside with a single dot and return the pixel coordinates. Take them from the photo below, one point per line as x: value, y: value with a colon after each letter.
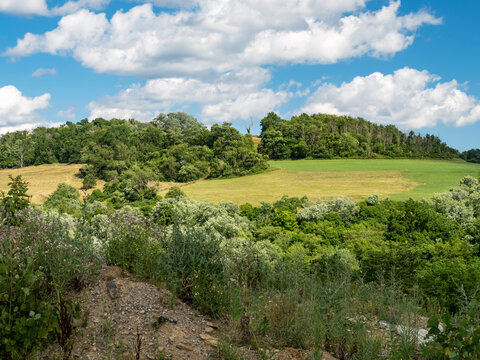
x: 327, y: 179
x: 323, y: 136
x: 43, y: 179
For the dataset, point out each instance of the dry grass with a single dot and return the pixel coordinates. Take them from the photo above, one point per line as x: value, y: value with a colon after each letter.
x: 43, y: 179
x: 272, y: 185
x: 256, y: 140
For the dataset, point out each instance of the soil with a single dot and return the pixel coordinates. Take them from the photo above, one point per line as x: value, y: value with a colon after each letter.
x: 125, y: 314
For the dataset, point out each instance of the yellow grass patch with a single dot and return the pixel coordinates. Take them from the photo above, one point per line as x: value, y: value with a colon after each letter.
x: 271, y: 186
x: 256, y: 140
x: 43, y: 179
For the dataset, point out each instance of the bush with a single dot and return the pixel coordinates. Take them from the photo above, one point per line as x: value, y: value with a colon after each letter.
x: 460, y: 338
x: 26, y: 320
x: 174, y: 192
x: 89, y: 181
x: 195, y: 269
x: 15, y: 200
x: 131, y: 241
x: 67, y: 253
x: 65, y: 199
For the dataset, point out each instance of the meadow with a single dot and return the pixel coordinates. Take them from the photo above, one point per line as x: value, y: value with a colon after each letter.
x: 327, y: 179
x: 43, y: 179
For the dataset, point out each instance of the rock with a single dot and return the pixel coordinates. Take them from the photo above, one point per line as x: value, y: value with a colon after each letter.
x: 327, y: 356
x: 420, y: 334
x: 210, y: 340
x: 112, y: 288
x: 208, y: 330
x: 212, y: 325
x: 184, y: 347
x: 384, y: 325
x: 162, y: 319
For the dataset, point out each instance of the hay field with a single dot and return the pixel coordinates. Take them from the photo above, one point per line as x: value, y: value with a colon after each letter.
x: 43, y: 179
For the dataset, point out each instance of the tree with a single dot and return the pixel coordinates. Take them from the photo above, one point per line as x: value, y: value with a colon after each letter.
x: 15, y: 200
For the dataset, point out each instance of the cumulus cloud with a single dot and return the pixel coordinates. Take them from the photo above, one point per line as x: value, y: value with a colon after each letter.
x: 24, y: 7
x: 212, y: 54
x: 408, y: 98
x: 72, y: 6
x: 39, y: 7
x: 224, y: 35
x: 17, y: 110
x: 42, y: 71
x: 230, y: 97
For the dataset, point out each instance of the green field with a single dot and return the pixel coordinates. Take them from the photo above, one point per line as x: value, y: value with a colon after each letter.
x: 326, y: 179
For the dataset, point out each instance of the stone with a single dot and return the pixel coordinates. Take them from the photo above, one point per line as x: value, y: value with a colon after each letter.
x: 184, y: 347
x: 112, y: 288
x: 210, y: 340
x: 162, y: 319
x: 212, y: 325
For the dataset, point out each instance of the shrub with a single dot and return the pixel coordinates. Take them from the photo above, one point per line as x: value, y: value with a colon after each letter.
x: 26, y: 320
x: 131, y: 241
x: 60, y: 246
x: 195, y: 269
x: 65, y: 199
x: 15, y: 200
x: 460, y: 338
x: 174, y: 192
x: 89, y: 181
x: 285, y: 219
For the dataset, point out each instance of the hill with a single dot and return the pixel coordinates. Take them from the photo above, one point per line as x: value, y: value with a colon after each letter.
x: 323, y: 136
x: 327, y: 179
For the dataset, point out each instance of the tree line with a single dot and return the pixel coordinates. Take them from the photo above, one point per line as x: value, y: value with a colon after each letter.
x: 322, y: 136
x: 171, y: 147
x: 177, y: 147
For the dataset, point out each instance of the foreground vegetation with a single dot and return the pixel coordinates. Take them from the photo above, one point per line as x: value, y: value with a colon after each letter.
x: 294, y: 273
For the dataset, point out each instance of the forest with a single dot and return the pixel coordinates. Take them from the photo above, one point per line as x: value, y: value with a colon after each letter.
x: 322, y: 136
x: 172, y: 147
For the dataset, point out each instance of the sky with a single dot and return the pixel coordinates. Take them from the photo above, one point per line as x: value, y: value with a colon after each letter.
x: 410, y: 63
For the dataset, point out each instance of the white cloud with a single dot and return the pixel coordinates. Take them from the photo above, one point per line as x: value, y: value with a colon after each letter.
x: 18, y: 110
x: 24, y: 7
x: 230, y: 97
x: 39, y: 7
x: 67, y: 113
x: 211, y: 54
x: 42, y: 71
x: 379, y: 34
x: 408, y: 98
x: 72, y: 6
x: 224, y: 35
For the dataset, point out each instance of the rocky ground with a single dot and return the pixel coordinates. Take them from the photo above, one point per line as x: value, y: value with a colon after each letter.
x: 130, y: 319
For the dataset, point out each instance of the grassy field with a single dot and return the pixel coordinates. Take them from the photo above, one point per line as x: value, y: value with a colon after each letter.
x: 326, y: 179
x: 43, y: 179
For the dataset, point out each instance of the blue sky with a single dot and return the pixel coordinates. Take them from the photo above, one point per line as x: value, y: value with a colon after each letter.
x: 410, y: 63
